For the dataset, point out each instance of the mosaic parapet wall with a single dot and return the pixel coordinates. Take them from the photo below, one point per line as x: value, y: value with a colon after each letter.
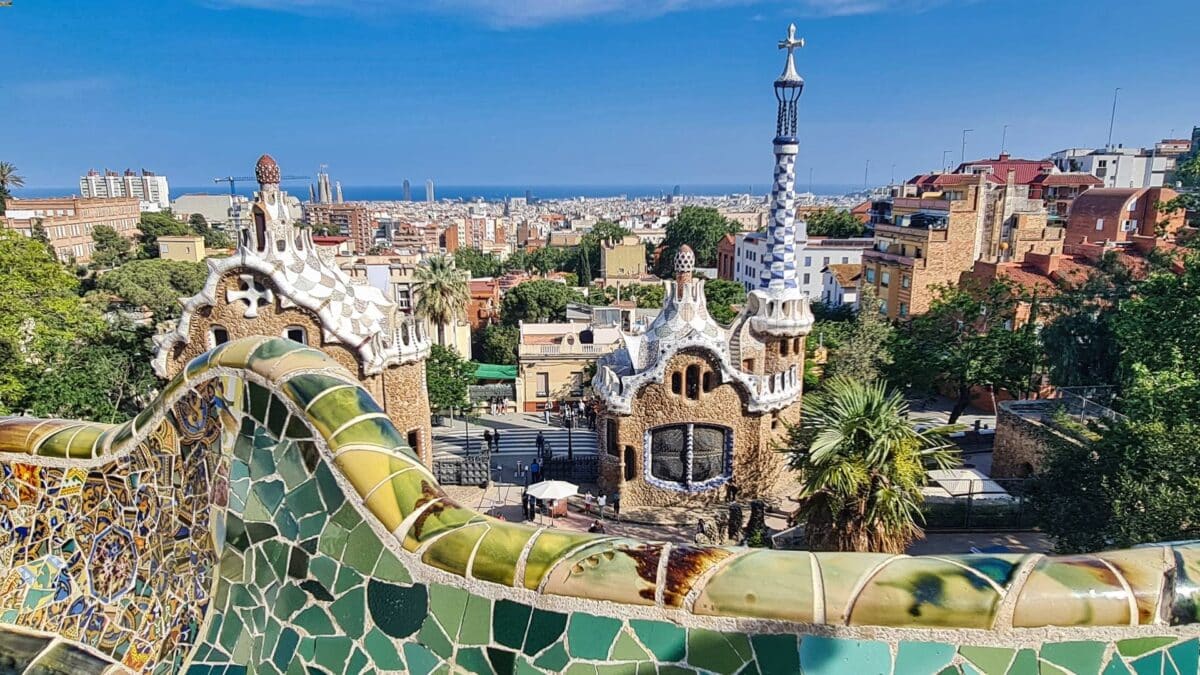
x: 265, y: 515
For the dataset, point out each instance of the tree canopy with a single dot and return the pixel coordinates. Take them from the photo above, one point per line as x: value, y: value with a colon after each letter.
x: 112, y: 249
x: 537, y: 301
x: 9, y: 178
x: 447, y: 378
x: 721, y: 296
x: 155, y: 225
x: 498, y: 344
x: 442, y: 293
x: 156, y: 284
x: 862, y: 350
x: 836, y: 223
x: 702, y: 228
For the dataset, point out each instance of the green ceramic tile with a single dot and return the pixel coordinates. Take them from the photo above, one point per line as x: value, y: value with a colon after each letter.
x: 825, y: 656
x: 383, y: 652
x: 347, y: 578
x: 285, y: 649
x: 473, y: 661
x: 1150, y: 664
x: 420, y: 660
x: 509, y: 620
x: 305, y: 499
x: 349, y: 610
x: 1138, y: 646
x: 1185, y: 656
x: 990, y: 660
x: 502, y: 660
x: 554, y: 659
x: 545, y: 628
x: 1116, y: 667
x: 627, y: 649
x: 434, y: 637
x: 397, y: 610
x: 315, y: 621
x: 448, y: 605
x: 362, y: 549
x: 711, y: 651
x: 1079, y: 657
x: 333, y: 652
x: 776, y: 654
x: 665, y: 640
x: 923, y: 657
x: 389, y: 568
x: 1025, y: 663
x: 477, y: 621
x: 591, y: 637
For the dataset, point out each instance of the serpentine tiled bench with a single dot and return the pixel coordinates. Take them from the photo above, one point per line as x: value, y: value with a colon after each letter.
x: 264, y: 514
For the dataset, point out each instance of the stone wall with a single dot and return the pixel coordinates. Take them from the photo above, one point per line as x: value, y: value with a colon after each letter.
x: 756, y: 468
x: 311, y: 540
x: 1022, y: 437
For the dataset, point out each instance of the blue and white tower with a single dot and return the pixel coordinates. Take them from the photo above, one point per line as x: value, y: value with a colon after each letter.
x: 780, y: 309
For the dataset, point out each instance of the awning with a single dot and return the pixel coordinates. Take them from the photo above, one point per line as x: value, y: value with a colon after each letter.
x: 495, y: 371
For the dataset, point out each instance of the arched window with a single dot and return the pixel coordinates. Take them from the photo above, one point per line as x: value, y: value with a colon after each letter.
x: 217, y: 336
x: 676, y: 383
x: 785, y: 348
x: 691, y: 457
x: 630, y: 463
x: 260, y: 229
x: 693, y: 382
x: 296, y: 334
x: 610, y: 437
x: 711, y: 380
x: 796, y: 345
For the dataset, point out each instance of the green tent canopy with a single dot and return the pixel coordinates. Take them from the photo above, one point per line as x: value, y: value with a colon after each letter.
x: 495, y: 371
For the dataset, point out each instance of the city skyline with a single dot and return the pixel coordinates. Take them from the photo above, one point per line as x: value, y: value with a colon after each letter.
x: 589, y: 93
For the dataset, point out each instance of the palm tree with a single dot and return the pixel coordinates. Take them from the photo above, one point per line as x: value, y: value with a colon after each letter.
x: 442, y: 293
x: 9, y: 178
x: 862, y: 465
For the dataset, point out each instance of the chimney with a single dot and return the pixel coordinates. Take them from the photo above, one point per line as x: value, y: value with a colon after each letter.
x: 1004, y: 157
x: 1044, y: 263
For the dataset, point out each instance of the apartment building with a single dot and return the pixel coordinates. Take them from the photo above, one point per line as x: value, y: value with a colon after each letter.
x: 187, y: 247
x: 554, y: 358
x: 622, y: 261
x: 1118, y: 167
x: 69, y: 221
x: 151, y: 190
x: 1116, y: 215
x: 812, y: 256
x: 352, y: 220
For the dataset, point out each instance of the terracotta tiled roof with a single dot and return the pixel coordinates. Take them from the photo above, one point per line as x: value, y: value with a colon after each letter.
x: 1056, y: 179
x: 1026, y: 169
x: 846, y: 275
x: 1101, y: 203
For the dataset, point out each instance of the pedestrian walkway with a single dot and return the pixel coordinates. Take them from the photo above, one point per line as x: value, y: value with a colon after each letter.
x: 518, y: 437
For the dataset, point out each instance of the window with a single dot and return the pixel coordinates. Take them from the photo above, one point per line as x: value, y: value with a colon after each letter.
x: 676, y: 383
x: 808, y: 261
x: 807, y: 277
x: 630, y: 463
x: 1129, y: 225
x: 693, y: 382
x: 414, y: 442
x: 217, y: 336
x: 1099, y: 223
x: 870, y: 276
x: 296, y: 334
x: 543, y: 384
x: 690, y: 457
x: 826, y: 260
x: 902, y: 310
x: 711, y: 380
x: 610, y: 437
x: 905, y: 281
x: 784, y: 348
x: 845, y: 260
x: 885, y: 279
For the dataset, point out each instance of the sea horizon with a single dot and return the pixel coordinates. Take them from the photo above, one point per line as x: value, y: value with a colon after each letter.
x: 491, y: 193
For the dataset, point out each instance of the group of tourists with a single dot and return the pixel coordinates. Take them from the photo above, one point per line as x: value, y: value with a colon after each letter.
x: 491, y: 440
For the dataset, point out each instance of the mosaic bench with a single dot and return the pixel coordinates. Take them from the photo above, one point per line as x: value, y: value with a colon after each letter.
x: 264, y: 516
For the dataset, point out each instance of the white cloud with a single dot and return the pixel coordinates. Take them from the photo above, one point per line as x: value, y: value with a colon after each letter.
x: 529, y: 13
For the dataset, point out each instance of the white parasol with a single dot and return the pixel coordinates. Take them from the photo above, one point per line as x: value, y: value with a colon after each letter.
x: 552, y: 490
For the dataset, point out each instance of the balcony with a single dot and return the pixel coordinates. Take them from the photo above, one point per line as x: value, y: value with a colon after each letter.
x: 565, y: 350
x: 891, y: 258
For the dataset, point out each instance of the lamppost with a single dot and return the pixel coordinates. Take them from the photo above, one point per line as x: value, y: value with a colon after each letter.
x: 1004, y: 140
x: 1113, y: 117
x: 945, y: 153
x: 963, y: 159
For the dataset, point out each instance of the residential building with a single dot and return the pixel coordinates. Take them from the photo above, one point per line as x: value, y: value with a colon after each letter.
x: 622, y: 261
x: 69, y: 221
x: 727, y: 258
x: 1117, y: 167
x: 688, y: 407
x: 840, y: 285
x: 748, y: 220
x: 484, y: 307
x: 151, y: 190
x: 429, y: 196
x: 553, y: 359
x: 229, y: 210
x: 353, y: 220
x: 1058, y: 191
x: 276, y: 287
x: 1116, y: 215
x: 921, y: 243
x: 182, y: 247
x: 751, y: 258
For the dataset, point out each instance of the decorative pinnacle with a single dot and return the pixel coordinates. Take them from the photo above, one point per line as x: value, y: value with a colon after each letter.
x: 791, y: 44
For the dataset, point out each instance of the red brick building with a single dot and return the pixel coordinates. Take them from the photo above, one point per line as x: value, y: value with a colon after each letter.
x: 1116, y: 215
x: 352, y: 220
x: 70, y: 221
x: 726, y: 252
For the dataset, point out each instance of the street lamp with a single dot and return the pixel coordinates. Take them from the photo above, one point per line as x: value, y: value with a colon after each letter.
x: 945, y: 153
x: 963, y: 160
x: 1112, y: 118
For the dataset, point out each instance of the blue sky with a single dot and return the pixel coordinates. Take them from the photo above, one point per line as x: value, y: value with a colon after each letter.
x: 515, y: 92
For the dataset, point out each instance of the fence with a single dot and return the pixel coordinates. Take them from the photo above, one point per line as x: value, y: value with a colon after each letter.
x: 994, y: 504
x: 578, y: 470
x: 475, y: 470
x: 471, y: 470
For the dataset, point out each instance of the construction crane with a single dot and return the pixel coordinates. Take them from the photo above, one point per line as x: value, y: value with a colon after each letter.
x: 232, y: 180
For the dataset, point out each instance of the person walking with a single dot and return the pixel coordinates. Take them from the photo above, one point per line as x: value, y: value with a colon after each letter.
x: 496, y: 439
x: 535, y: 470
x: 600, y: 501
x: 540, y: 443
x: 487, y: 439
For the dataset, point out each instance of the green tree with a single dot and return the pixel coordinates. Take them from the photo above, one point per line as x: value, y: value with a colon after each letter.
x: 38, y: 233
x: 701, y: 228
x: 442, y: 293
x: 964, y: 341
x: 537, y: 301
x: 155, y: 284
x: 587, y: 255
x: 478, y: 263
x: 863, y: 465
x: 41, y: 316
x: 1139, y: 483
x: 498, y: 344
x: 447, y: 378
x: 155, y: 225
x: 721, y: 295
x: 112, y: 249
x: 106, y: 379
x: 9, y: 178
x: 213, y: 238
x: 546, y: 259
x: 835, y: 223
x: 649, y: 296
x: 864, y: 349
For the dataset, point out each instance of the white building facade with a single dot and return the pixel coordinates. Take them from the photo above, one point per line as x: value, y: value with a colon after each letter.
x: 1118, y: 167
x: 150, y: 189
x: 812, y: 257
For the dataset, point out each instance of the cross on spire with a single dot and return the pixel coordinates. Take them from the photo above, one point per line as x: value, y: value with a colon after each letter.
x: 792, y: 42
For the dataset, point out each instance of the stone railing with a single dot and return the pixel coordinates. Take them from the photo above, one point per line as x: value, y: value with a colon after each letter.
x: 264, y: 513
